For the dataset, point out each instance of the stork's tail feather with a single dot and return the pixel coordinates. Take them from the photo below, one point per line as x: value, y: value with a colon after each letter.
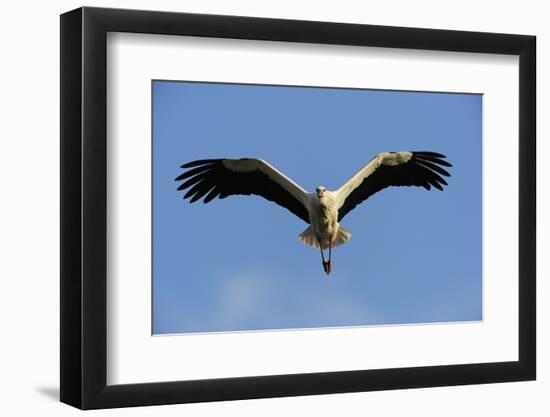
x: 342, y: 236
x: 309, y: 238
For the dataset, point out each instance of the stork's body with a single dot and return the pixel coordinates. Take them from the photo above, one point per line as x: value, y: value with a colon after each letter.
x: 324, y: 231
x: 323, y: 210
x: 323, y: 217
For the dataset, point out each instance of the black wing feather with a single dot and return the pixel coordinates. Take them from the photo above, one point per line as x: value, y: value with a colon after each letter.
x: 209, y: 178
x: 422, y: 170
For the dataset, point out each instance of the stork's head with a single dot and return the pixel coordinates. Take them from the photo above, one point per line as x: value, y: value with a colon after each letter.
x: 321, y: 191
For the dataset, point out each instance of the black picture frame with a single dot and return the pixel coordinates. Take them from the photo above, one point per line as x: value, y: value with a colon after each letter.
x: 83, y: 207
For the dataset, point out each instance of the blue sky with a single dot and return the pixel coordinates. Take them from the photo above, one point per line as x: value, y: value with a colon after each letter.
x: 237, y: 264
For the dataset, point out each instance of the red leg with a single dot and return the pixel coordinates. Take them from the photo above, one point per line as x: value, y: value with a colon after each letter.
x: 329, y: 263
x: 325, y: 263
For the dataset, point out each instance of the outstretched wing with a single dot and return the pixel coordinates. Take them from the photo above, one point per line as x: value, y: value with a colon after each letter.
x: 211, y: 178
x: 392, y: 168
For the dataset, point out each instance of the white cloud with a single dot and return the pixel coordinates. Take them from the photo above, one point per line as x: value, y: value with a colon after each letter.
x: 267, y: 301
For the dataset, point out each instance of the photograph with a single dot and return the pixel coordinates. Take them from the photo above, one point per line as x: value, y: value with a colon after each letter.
x: 281, y: 207
x: 264, y: 207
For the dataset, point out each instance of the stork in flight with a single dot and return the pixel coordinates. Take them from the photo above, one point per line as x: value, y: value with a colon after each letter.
x: 323, y: 209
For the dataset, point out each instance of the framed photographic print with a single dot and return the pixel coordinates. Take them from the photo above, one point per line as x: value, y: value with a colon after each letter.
x: 259, y: 207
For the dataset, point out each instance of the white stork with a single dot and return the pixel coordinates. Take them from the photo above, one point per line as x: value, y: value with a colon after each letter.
x: 323, y: 209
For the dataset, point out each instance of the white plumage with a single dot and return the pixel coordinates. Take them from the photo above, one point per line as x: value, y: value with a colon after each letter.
x: 322, y: 209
